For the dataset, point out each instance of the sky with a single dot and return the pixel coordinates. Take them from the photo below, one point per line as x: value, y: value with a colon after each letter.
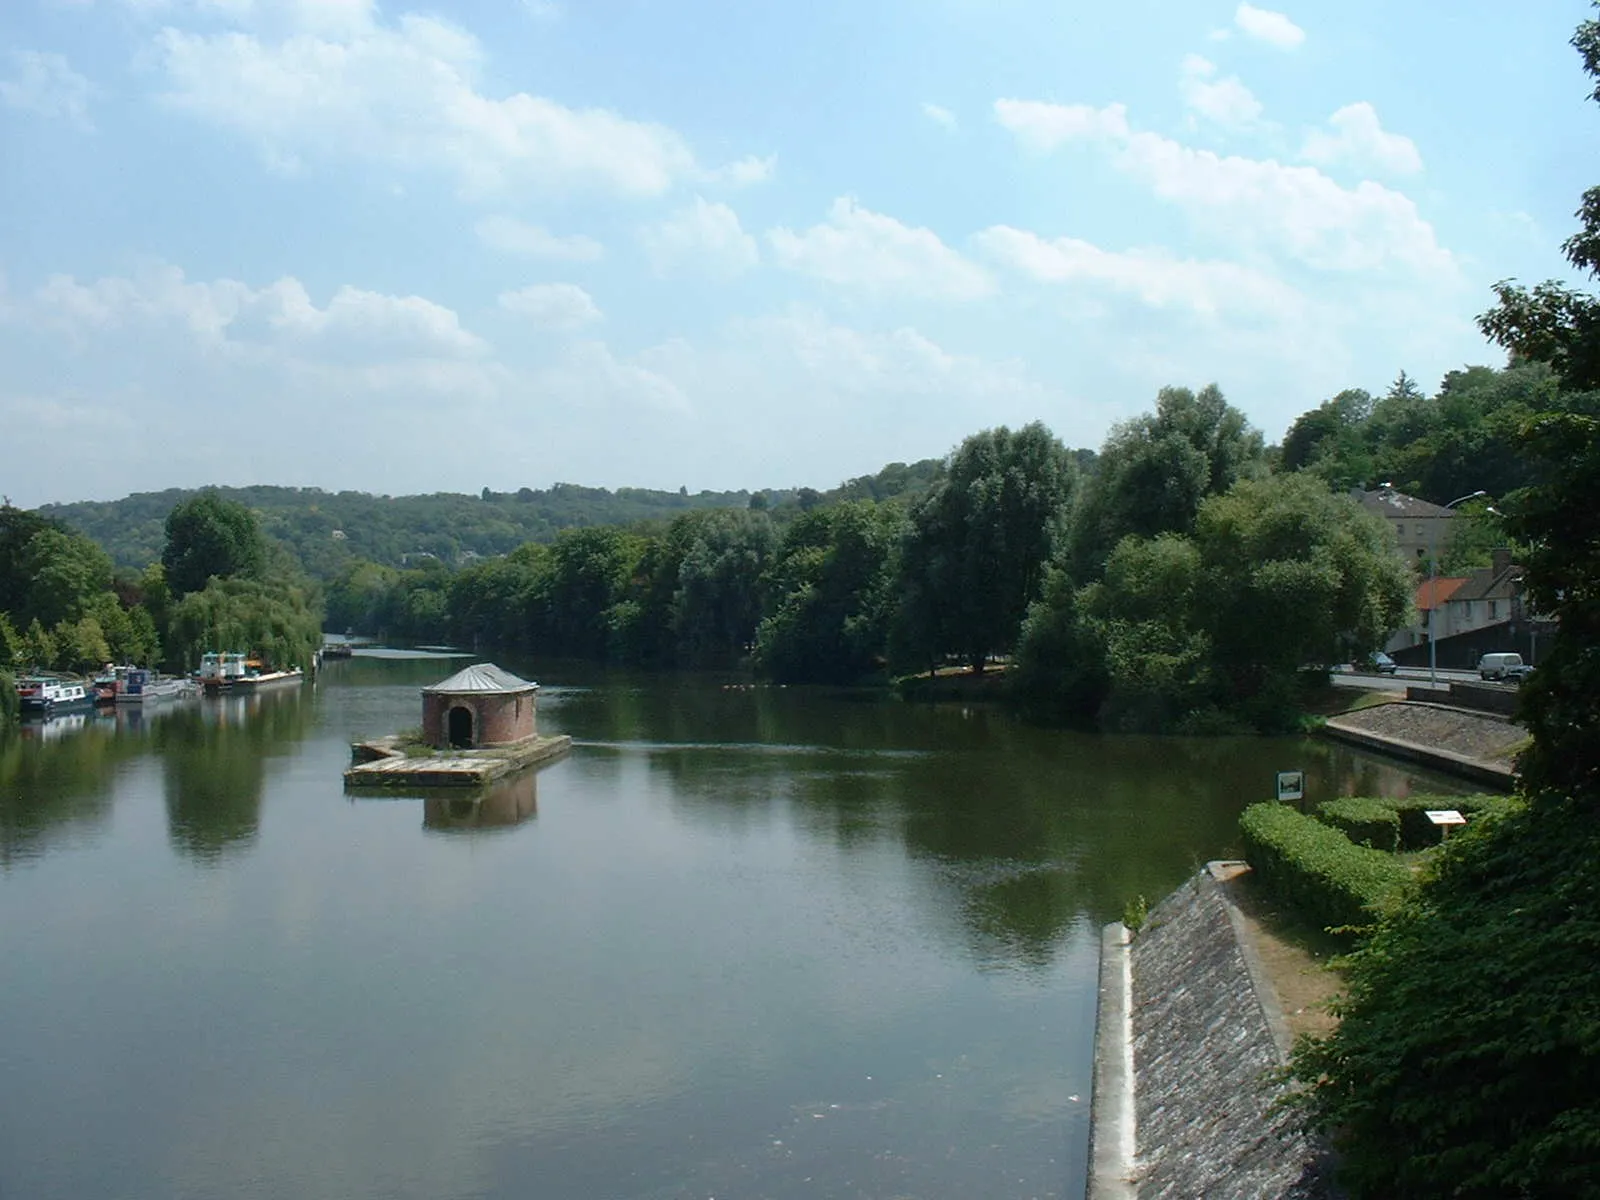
x: 664, y: 243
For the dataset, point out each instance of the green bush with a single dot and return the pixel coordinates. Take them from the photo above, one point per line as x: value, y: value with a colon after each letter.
x: 1468, y: 1048
x: 9, y: 704
x: 1366, y: 822
x: 1418, y: 833
x: 1317, y: 870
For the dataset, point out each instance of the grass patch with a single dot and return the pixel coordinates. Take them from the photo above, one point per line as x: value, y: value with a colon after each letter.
x: 411, y: 744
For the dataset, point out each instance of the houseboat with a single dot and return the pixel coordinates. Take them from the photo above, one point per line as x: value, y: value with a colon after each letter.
x: 41, y: 694
x: 141, y: 686
x: 218, y: 672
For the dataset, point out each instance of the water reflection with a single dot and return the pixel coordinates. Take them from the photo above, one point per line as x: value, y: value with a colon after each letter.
x: 56, y: 779
x: 504, y: 804
x: 1021, y: 833
x: 215, y: 759
x: 775, y: 943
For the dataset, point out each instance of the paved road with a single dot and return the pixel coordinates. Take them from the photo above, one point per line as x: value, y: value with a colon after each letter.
x: 1404, y: 678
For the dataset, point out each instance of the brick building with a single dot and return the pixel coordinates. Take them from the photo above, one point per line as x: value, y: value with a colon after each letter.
x: 481, y: 705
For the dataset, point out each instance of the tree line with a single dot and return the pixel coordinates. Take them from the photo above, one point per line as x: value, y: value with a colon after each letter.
x: 219, y: 584
x: 1181, y: 578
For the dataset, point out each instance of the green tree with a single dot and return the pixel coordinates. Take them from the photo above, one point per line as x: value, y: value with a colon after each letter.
x: 10, y: 645
x: 571, y: 610
x: 1155, y: 470
x: 1467, y: 1058
x: 67, y: 572
x: 209, y: 537
x: 1158, y: 655
x: 80, y: 645
x: 831, y: 585
x: 718, y: 600
x: 1060, y: 675
x: 18, y: 527
x: 975, y: 555
x: 1294, y: 576
x: 278, y: 621
x: 38, y: 648
x: 1331, y: 437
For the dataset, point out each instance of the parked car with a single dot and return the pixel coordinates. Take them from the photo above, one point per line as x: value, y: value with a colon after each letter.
x: 1505, y: 668
x: 1380, y: 663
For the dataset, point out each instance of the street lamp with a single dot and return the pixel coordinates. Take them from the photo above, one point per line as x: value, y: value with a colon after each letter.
x: 1433, y: 585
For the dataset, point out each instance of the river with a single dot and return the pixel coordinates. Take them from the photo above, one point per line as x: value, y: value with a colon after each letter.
x: 741, y: 942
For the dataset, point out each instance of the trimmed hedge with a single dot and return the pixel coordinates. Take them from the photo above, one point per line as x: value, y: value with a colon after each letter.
x: 1366, y: 822
x: 1418, y: 833
x: 1402, y: 824
x: 1318, y: 870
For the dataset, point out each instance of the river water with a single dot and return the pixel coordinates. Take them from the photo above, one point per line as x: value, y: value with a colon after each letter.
x: 742, y: 942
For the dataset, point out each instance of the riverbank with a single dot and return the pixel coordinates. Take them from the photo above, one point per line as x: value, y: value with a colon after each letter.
x: 1478, y: 746
x: 1191, y: 1030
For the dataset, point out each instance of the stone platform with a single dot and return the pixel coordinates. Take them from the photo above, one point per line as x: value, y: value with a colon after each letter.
x: 381, y: 764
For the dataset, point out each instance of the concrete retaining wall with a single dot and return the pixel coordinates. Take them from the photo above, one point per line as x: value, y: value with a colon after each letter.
x: 1206, y: 1036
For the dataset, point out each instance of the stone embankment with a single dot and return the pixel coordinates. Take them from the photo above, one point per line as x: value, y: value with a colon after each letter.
x: 1189, y: 1038
x: 1474, y: 745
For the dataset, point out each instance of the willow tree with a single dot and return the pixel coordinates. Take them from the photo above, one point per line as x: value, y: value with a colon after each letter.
x: 975, y: 555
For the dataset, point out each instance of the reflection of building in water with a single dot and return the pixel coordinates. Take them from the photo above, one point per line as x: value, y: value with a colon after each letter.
x: 502, y: 805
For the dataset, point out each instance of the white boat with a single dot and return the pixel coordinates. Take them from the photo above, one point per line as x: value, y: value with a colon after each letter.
x: 220, y: 671
x: 42, y: 694
x: 256, y: 680
x: 141, y: 686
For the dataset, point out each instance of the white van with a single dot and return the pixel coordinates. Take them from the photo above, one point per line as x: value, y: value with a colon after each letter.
x: 1508, y: 667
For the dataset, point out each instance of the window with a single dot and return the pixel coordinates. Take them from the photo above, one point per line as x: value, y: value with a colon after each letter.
x: 1494, y: 609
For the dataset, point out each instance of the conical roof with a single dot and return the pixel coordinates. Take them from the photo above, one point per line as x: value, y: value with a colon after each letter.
x: 482, y: 678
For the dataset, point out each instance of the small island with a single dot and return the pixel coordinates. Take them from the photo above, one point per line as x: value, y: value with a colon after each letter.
x: 478, y: 725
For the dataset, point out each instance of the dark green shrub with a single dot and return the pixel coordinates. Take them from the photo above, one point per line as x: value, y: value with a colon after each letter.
x: 1467, y: 1056
x: 1418, y: 833
x: 9, y: 704
x: 1317, y: 870
x: 1366, y: 822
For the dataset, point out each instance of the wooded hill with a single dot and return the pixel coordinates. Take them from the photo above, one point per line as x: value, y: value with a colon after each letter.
x: 325, y: 530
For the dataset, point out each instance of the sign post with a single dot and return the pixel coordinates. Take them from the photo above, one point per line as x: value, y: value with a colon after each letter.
x: 1291, y: 785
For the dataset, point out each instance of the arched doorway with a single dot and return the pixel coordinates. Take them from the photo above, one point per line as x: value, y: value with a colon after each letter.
x: 461, y: 728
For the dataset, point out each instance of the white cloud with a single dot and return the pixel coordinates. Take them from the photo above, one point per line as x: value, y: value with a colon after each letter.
x: 744, y: 172
x: 552, y: 305
x: 592, y: 376
x: 227, y: 314
x: 780, y: 389
x: 1153, y: 276
x: 1041, y: 126
x: 1356, y: 138
x: 705, y: 238
x: 46, y: 85
x: 1292, y: 210
x: 1267, y: 26
x: 864, y: 249
x: 1227, y: 102
x: 511, y: 236
x: 939, y: 115
x: 407, y: 95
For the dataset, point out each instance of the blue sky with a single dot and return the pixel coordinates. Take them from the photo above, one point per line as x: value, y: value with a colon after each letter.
x: 632, y: 242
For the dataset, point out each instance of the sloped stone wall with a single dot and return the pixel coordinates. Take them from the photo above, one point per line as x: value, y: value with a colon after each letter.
x: 1204, y: 1050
